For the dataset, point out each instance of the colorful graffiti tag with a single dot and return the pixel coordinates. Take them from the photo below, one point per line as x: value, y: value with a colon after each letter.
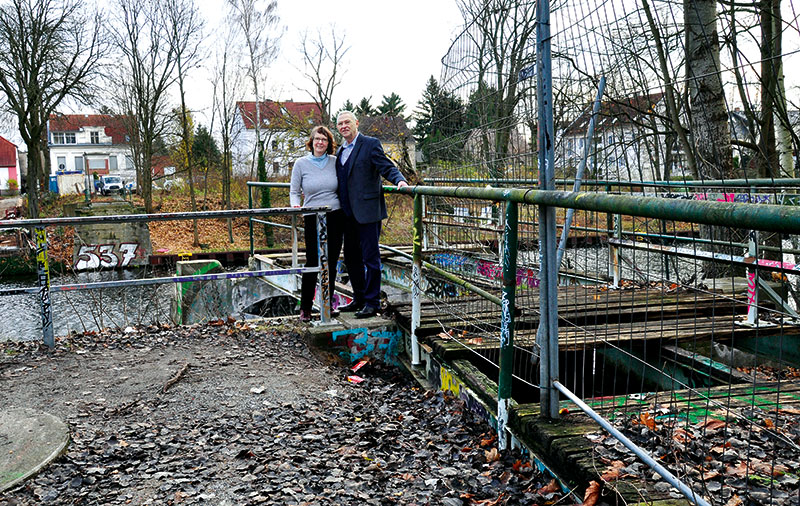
x: 362, y: 342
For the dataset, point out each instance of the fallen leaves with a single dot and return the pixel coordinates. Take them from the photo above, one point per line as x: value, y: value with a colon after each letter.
x: 492, y: 455
x: 592, y: 494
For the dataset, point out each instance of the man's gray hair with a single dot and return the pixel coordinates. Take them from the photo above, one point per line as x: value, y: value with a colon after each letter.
x: 351, y: 113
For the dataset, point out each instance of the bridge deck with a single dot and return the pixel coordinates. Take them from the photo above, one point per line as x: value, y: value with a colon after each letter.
x: 590, y: 317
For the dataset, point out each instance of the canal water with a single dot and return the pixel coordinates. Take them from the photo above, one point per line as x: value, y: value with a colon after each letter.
x: 84, y: 310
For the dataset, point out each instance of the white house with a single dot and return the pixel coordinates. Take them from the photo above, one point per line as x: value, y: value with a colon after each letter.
x: 89, y: 143
x: 629, y: 143
x: 285, y: 127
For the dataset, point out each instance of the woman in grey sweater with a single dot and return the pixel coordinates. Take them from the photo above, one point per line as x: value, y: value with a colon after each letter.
x: 314, y: 178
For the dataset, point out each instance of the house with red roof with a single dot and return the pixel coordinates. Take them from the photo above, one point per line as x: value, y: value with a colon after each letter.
x: 285, y: 127
x: 9, y: 164
x: 93, y: 143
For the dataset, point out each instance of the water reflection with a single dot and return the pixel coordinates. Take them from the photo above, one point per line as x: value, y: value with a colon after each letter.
x: 85, y: 310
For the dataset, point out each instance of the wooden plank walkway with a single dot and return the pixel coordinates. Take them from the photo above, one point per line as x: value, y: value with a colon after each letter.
x: 589, y: 317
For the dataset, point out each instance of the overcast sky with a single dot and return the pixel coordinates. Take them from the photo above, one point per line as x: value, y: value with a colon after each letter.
x: 394, y: 47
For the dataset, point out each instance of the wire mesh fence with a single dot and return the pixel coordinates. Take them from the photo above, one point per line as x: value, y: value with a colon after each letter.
x: 681, y: 333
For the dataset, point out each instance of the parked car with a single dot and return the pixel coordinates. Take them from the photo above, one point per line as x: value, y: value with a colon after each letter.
x: 110, y: 184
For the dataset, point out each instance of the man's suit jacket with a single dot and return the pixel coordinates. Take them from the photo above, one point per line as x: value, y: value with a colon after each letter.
x: 365, y: 166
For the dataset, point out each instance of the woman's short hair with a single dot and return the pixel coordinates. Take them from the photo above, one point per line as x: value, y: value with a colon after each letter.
x: 321, y: 129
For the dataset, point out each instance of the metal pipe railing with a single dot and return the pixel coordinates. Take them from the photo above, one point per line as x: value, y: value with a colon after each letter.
x: 44, y: 288
x: 765, y: 217
x: 710, y: 183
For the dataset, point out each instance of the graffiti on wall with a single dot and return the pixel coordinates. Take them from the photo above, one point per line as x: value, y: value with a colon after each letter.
x: 362, y: 342
x: 754, y: 198
x: 526, y: 277
x: 106, y: 256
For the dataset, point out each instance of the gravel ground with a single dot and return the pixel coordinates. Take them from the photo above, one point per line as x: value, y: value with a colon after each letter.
x: 245, y: 413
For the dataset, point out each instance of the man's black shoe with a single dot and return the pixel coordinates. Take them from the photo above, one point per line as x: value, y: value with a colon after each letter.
x: 367, y: 311
x: 351, y: 308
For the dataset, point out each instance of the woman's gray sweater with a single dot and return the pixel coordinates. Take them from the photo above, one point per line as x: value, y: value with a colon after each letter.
x: 317, y: 184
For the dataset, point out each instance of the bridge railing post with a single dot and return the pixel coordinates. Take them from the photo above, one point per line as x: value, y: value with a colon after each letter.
x: 752, y: 279
x: 250, y: 218
x: 295, y: 262
x: 547, y: 336
x: 325, y: 283
x: 508, y: 303
x: 416, y: 278
x: 43, y: 279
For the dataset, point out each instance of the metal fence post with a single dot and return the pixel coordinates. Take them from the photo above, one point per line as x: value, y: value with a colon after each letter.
x: 250, y: 218
x: 416, y: 278
x: 752, y: 279
x: 324, y: 277
x: 614, y: 251
x: 295, y: 263
x: 507, y: 321
x: 547, y: 337
x: 43, y: 272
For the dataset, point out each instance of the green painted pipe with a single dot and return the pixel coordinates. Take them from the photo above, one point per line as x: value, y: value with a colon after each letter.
x: 766, y: 217
x: 717, y: 183
x: 508, y: 302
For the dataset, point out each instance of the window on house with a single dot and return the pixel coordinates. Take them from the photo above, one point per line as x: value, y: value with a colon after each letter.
x: 61, y: 163
x: 275, y: 145
x: 63, y: 137
x: 112, y: 163
x: 610, y: 138
x: 97, y: 164
x: 94, y: 137
x: 79, y: 163
x: 129, y: 162
x: 275, y: 167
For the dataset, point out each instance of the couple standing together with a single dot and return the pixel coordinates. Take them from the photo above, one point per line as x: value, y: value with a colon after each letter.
x: 349, y: 183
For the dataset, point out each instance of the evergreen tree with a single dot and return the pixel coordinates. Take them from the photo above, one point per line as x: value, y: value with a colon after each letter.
x: 364, y: 108
x: 348, y: 106
x: 392, y: 106
x: 204, y: 149
x: 440, y: 125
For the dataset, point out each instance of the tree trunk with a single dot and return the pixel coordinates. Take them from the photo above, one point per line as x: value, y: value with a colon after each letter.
x: 709, y: 116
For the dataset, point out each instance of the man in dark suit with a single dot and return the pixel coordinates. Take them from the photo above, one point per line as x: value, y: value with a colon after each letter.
x: 360, y: 163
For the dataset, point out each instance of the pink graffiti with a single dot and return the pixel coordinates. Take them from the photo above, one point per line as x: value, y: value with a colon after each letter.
x: 751, y: 288
x: 727, y: 197
x: 779, y: 265
x: 490, y: 270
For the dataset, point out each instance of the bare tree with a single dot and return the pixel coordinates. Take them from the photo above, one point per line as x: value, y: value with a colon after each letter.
x: 49, y: 50
x: 143, y: 37
x: 322, y: 60
x: 186, y: 34
x: 503, y: 33
x: 227, y: 83
x: 709, y: 115
x: 261, y: 33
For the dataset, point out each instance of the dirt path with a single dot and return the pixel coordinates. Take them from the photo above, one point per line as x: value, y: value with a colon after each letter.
x: 255, y: 418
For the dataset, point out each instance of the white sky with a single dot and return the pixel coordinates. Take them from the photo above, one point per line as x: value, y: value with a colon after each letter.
x: 394, y: 47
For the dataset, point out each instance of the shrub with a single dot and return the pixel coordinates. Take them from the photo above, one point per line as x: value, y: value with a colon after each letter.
x: 13, y: 185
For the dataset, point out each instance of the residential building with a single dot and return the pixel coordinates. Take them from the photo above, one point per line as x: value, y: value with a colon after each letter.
x: 93, y: 143
x: 9, y: 164
x: 628, y: 143
x: 285, y: 127
x: 395, y: 136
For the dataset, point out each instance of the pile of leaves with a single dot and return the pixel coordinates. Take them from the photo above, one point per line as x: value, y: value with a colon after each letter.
x: 731, y: 457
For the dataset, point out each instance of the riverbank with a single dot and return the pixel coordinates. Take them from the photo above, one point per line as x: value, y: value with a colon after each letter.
x: 248, y: 413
